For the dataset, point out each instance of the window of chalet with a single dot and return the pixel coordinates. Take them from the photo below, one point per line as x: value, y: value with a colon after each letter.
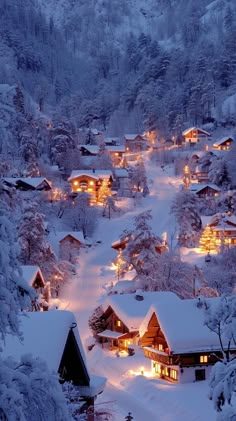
x: 173, y: 374
x: 118, y: 323
x: 160, y: 347
x: 204, y: 359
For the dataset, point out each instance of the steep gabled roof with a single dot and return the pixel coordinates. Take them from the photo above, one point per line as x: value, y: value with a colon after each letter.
x: 45, y: 334
x: 30, y: 272
x: 133, y: 136
x: 131, y: 311
x: 223, y: 140
x: 96, y: 174
x: 197, y: 187
x: 182, y: 324
x: 195, y: 128
x: 34, y: 182
x: 77, y: 235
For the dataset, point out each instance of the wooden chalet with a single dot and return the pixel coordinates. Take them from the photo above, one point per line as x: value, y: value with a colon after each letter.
x: 28, y: 183
x: 90, y: 181
x: 205, y: 190
x: 70, y: 244
x: 223, y: 144
x: 123, y: 315
x: 180, y: 347
x: 135, y: 143
x: 53, y: 336
x: 194, y: 135
x: 224, y: 229
x: 33, y: 276
x: 120, y: 244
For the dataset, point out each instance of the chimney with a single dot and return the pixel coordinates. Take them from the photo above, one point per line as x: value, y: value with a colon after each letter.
x: 139, y: 295
x: 93, y: 170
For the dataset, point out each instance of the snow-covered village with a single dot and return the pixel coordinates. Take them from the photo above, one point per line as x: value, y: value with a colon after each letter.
x: 117, y: 210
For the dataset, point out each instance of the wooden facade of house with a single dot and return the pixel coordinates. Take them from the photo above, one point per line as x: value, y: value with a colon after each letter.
x: 90, y: 182
x: 114, y: 324
x: 69, y: 247
x: 175, y: 367
x: 205, y: 191
x: 135, y: 143
x: 223, y: 144
x: 194, y: 135
x: 224, y: 231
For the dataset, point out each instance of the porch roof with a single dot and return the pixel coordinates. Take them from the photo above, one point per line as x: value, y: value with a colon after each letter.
x: 111, y: 335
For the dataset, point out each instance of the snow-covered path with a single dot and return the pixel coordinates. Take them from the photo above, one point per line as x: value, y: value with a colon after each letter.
x: 146, y: 399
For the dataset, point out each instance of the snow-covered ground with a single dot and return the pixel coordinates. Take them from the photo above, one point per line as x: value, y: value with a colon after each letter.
x: 127, y: 390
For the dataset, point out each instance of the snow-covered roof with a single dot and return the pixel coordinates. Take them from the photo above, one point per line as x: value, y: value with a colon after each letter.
x: 111, y: 139
x: 96, y: 174
x: 195, y: 128
x: 29, y: 273
x: 222, y: 140
x: 133, y: 136
x: 182, y: 323
x: 197, y: 187
x: 78, y: 235
x: 31, y: 181
x: 121, y: 173
x: 111, y: 334
x: 131, y: 310
x: 91, y: 148
x: 222, y: 219
x: 45, y: 334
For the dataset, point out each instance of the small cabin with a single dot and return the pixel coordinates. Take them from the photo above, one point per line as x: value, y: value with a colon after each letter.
x: 33, y: 276
x: 161, y: 245
x: 28, y: 183
x: 135, y: 143
x: 179, y: 345
x: 223, y: 144
x: 54, y: 337
x: 90, y: 181
x: 123, y: 315
x: 224, y: 229
x: 194, y: 135
x: 70, y: 244
x: 204, y: 191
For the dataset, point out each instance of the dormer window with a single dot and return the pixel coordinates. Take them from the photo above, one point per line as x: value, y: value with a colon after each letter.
x: 203, y: 359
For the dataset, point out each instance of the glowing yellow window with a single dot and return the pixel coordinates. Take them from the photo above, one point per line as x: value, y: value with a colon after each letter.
x: 160, y: 347
x: 173, y: 374
x: 75, y: 183
x: 203, y: 358
x: 118, y: 323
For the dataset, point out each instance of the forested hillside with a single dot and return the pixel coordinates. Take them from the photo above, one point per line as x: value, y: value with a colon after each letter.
x: 122, y: 65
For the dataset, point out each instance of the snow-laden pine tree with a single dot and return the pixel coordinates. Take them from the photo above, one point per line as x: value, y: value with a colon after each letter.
x: 27, y: 389
x: 185, y: 209
x: 138, y: 178
x: 221, y: 319
x: 219, y: 174
x: 140, y: 252
x: 84, y: 216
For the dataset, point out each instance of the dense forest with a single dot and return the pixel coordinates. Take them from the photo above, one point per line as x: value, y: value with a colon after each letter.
x: 123, y: 66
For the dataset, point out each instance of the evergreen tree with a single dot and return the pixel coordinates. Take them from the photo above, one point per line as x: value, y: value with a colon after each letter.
x: 96, y: 321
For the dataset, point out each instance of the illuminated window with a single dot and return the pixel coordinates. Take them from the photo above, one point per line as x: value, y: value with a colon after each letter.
x: 173, y: 374
x: 160, y: 347
x: 75, y: 183
x: 91, y: 183
x: 158, y: 369
x: 203, y: 358
x: 118, y: 323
